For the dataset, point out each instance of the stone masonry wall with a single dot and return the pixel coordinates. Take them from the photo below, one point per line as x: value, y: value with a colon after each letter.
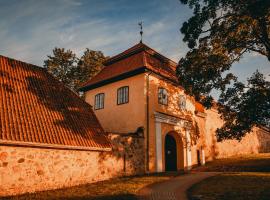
x: 258, y: 141
x: 27, y: 169
x: 131, y: 150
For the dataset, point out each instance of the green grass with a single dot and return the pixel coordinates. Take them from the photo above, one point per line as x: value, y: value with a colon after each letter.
x: 243, y: 163
x: 244, y: 178
x: 234, y: 186
x: 115, y: 189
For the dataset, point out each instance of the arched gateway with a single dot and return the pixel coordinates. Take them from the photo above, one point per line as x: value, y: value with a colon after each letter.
x: 170, y: 153
x: 174, y: 152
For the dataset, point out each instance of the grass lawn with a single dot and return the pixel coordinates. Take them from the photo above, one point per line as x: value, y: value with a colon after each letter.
x: 244, y: 178
x: 244, y: 163
x: 115, y: 189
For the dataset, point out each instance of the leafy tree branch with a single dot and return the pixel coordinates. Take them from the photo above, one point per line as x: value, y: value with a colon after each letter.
x: 218, y: 34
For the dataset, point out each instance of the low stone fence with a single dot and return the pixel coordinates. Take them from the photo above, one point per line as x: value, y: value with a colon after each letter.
x: 29, y: 169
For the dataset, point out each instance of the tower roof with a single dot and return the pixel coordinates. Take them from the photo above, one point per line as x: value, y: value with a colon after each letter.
x: 137, y: 59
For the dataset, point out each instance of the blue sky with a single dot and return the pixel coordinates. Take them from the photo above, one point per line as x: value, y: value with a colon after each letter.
x: 30, y: 29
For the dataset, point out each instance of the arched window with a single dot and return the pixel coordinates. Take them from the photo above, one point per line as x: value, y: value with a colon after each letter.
x: 99, y: 101
x: 122, y: 95
x: 162, y: 96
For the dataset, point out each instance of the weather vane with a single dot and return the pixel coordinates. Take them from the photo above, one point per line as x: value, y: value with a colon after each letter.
x: 141, y: 32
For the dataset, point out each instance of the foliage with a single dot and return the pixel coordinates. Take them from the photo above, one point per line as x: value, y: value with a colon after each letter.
x: 62, y: 66
x: 72, y: 71
x: 238, y: 25
x: 218, y: 34
x: 89, y: 65
x: 243, y: 107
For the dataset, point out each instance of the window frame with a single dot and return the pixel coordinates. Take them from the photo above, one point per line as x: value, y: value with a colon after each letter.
x: 182, y: 97
x: 167, y: 96
x: 127, y: 96
x: 103, y: 103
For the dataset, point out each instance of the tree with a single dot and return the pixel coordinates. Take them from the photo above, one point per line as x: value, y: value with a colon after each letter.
x: 89, y: 65
x: 218, y: 34
x: 62, y: 65
x: 244, y: 107
x: 67, y: 68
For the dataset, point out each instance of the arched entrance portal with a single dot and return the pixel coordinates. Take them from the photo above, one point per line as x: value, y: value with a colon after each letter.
x: 170, y: 153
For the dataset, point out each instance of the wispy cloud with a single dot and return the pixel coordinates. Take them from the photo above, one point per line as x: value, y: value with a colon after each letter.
x: 30, y: 29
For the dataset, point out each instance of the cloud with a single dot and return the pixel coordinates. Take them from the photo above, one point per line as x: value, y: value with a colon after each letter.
x: 30, y: 29
x: 73, y: 2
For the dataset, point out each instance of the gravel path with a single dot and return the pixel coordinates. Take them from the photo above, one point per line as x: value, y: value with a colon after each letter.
x: 173, y: 189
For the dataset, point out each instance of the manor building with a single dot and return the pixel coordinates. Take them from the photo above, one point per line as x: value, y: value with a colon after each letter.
x: 138, y: 88
x: 139, y: 120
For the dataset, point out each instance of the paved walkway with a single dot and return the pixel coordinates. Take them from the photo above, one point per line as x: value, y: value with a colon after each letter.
x: 173, y: 189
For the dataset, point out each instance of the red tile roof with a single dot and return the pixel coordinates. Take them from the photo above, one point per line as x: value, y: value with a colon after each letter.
x: 36, y: 108
x: 140, y: 56
x: 137, y: 57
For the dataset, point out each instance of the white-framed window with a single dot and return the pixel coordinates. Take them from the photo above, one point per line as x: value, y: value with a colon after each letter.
x: 182, y: 102
x: 162, y: 96
x: 122, y: 95
x: 99, y: 101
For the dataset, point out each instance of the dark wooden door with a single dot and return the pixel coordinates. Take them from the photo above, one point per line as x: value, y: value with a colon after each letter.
x: 198, y: 157
x: 170, y: 153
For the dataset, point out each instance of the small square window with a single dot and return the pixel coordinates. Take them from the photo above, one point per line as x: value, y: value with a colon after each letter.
x: 122, y: 95
x: 99, y: 101
x: 162, y: 96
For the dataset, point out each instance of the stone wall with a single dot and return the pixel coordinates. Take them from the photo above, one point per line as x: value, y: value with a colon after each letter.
x: 28, y: 169
x: 131, y: 150
x: 258, y: 141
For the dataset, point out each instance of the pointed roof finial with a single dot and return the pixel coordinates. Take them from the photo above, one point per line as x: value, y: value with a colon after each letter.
x: 141, y: 32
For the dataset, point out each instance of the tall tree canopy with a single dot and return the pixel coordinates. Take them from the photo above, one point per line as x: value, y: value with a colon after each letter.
x: 218, y: 34
x: 73, y: 71
x: 89, y: 65
x: 62, y: 65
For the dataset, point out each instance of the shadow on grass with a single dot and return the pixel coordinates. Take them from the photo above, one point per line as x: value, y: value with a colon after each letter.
x: 110, y: 197
x: 248, y: 163
x: 236, y: 186
x: 124, y: 188
x: 105, y: 197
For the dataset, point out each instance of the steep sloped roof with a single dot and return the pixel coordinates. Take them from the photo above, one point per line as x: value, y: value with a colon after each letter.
x: 136, y: 59
x: 36, y: 108
x: 132, y: 61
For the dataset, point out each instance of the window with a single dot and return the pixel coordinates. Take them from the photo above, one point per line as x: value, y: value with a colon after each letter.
x: 122, y: 95
x: 182, y: 102
x: 162, y: 96
x: 99, y: 101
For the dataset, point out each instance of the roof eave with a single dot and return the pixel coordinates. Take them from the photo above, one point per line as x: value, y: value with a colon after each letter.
x: 53, y: 146
x: 114, y: 79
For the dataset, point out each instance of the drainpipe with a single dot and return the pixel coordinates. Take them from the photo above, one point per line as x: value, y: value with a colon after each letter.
x: 147, y: 121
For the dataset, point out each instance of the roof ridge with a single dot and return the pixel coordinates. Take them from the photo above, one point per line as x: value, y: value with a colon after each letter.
x: 134, y: 49
x: 29, y: 64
